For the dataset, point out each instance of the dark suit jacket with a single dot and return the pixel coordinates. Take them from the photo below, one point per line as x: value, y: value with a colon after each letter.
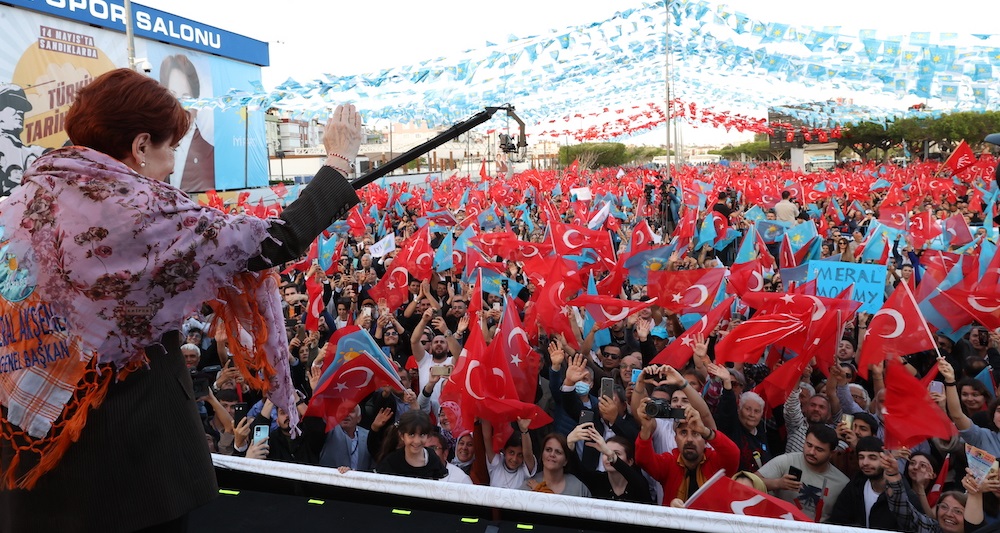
x: 142, y: 459
x: 337, y: 449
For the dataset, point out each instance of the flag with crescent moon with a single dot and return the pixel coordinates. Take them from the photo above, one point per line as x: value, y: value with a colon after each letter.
x: 353, y: 367
x: 910, y: 415
x: 721, y: 494
x: 896, y: 330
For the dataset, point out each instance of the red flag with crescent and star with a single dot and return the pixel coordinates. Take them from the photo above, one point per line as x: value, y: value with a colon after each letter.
x: 897, y: 329
x: 689, y: 291
x: 351, y: 383
x: 721, y: 494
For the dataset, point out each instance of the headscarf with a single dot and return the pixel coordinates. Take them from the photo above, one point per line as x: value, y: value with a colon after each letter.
x: 96, y: 263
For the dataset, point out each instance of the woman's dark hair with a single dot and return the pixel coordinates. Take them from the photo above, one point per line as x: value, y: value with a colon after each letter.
x: 977, y: 386
x: 627, y: 444
x: 561, y: 439
x: 183, y: 64
x: 935, y: 464
x: 109, y: 113
x: 414, y: 422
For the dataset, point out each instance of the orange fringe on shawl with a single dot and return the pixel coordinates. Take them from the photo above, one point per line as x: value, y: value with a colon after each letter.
x: 239, y: 312
x: 36, y: 457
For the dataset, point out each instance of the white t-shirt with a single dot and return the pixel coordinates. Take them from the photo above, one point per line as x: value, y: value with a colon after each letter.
x: 424, y: 370
x: 500, y: 476
x: 870, y: 498
x: 456, y: 475
x: 816, y: 487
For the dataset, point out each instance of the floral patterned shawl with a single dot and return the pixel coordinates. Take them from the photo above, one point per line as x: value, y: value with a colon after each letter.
x: 98, y: 262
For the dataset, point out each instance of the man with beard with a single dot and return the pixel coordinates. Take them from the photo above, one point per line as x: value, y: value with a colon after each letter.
x: 442, y: 347
x: 863, y: 502
x: 806, y: 478
x: 685, y: 469
x: 800, y: 414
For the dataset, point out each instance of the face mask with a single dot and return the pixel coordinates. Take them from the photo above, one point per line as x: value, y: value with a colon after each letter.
x: 582, y: 387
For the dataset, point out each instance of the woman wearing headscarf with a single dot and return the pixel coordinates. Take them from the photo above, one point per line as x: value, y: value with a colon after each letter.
x: 102, y: 259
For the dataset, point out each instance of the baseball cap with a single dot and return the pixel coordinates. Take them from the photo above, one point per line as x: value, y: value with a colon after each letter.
x: 659, y: 331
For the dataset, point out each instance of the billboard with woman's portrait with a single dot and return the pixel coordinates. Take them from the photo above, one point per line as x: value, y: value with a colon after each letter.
x: 47, y: 58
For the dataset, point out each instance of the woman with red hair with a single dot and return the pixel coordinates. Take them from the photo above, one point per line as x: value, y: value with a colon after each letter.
x: 102, y: 261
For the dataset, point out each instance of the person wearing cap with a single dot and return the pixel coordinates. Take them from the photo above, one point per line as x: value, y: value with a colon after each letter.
x: 863, y: 502
x: 15, y: 156
x: 651, y: 340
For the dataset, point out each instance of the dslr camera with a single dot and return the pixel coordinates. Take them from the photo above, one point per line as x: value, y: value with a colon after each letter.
x: 660, y: 408
x: 201, y: 380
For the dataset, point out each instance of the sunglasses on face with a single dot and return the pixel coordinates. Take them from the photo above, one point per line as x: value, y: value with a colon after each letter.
x: 612, y: 355
x: 391, y: 333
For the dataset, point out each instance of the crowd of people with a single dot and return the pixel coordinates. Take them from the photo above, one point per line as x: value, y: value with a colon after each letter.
x: 624, y: 427
x: 110, y: 375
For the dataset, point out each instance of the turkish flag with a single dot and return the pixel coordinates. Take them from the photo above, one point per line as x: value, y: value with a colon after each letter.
x: 458, y: 406
x: 523, y: 361
x: 642, y: 238
x: 518, y: 250
x: 350, y: 383
x: 893, y: 216
x: 416, y: 254
x: 314, y: 309
x: 691, y: 291
x: 981, y: 306
x: 746, y: 277
x: 482, y: 171
x: 779, y: 383
x: 786, y: 257
x: 961, y: 159
x: 723, y: 495
x: 959, y: 230
x: 492, y: 243
x: 356, y: 221
x: 394, y: 287
x: 607, y: 310
x: 910, y: 415
x: 612, y: 284
x: 678, y: 353
x: 572, y: 239
x: 303, y: 264
x: 279, y: 189
x: 924, y: 228
x: 935, y: 492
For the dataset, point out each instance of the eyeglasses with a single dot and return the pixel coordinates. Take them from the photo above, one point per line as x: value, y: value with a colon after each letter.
x: 439, y: 448
x: 612, y: 355
x: 387, y: 333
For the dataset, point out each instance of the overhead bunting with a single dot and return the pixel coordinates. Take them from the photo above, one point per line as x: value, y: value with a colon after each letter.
x: 717, y: 55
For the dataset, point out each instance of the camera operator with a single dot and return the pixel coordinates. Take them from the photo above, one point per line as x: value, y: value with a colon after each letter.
x: 686, y: 468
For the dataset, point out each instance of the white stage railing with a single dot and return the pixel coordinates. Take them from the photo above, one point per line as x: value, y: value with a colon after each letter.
x: 525, y: 501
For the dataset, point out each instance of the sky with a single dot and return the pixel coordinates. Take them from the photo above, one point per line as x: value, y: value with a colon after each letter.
x: 310, y: 37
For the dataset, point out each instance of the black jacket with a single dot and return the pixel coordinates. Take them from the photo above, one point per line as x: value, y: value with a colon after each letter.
x: 849, y: 509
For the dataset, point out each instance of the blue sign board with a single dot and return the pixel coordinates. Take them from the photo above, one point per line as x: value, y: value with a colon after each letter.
x: 156, y: 25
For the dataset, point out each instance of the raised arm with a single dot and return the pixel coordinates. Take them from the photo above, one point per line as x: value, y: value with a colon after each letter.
x: 961, y: 421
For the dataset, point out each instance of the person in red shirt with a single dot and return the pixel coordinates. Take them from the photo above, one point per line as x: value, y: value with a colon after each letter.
x: 683, y: 470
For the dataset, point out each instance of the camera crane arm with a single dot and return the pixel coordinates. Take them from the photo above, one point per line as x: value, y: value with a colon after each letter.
x: 443, y: 137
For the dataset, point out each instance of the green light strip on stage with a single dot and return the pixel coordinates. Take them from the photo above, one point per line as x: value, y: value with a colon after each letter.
x: 228, y: 492
x: 525, y: 526
x: 321, y: 502
x: 470, y: 520
x: 403, y: 512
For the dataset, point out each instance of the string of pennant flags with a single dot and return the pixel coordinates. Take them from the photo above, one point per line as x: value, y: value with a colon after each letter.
x: 717, y: 55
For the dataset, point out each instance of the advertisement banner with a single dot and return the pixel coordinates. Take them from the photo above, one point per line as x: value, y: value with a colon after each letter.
x: 46, y: 60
